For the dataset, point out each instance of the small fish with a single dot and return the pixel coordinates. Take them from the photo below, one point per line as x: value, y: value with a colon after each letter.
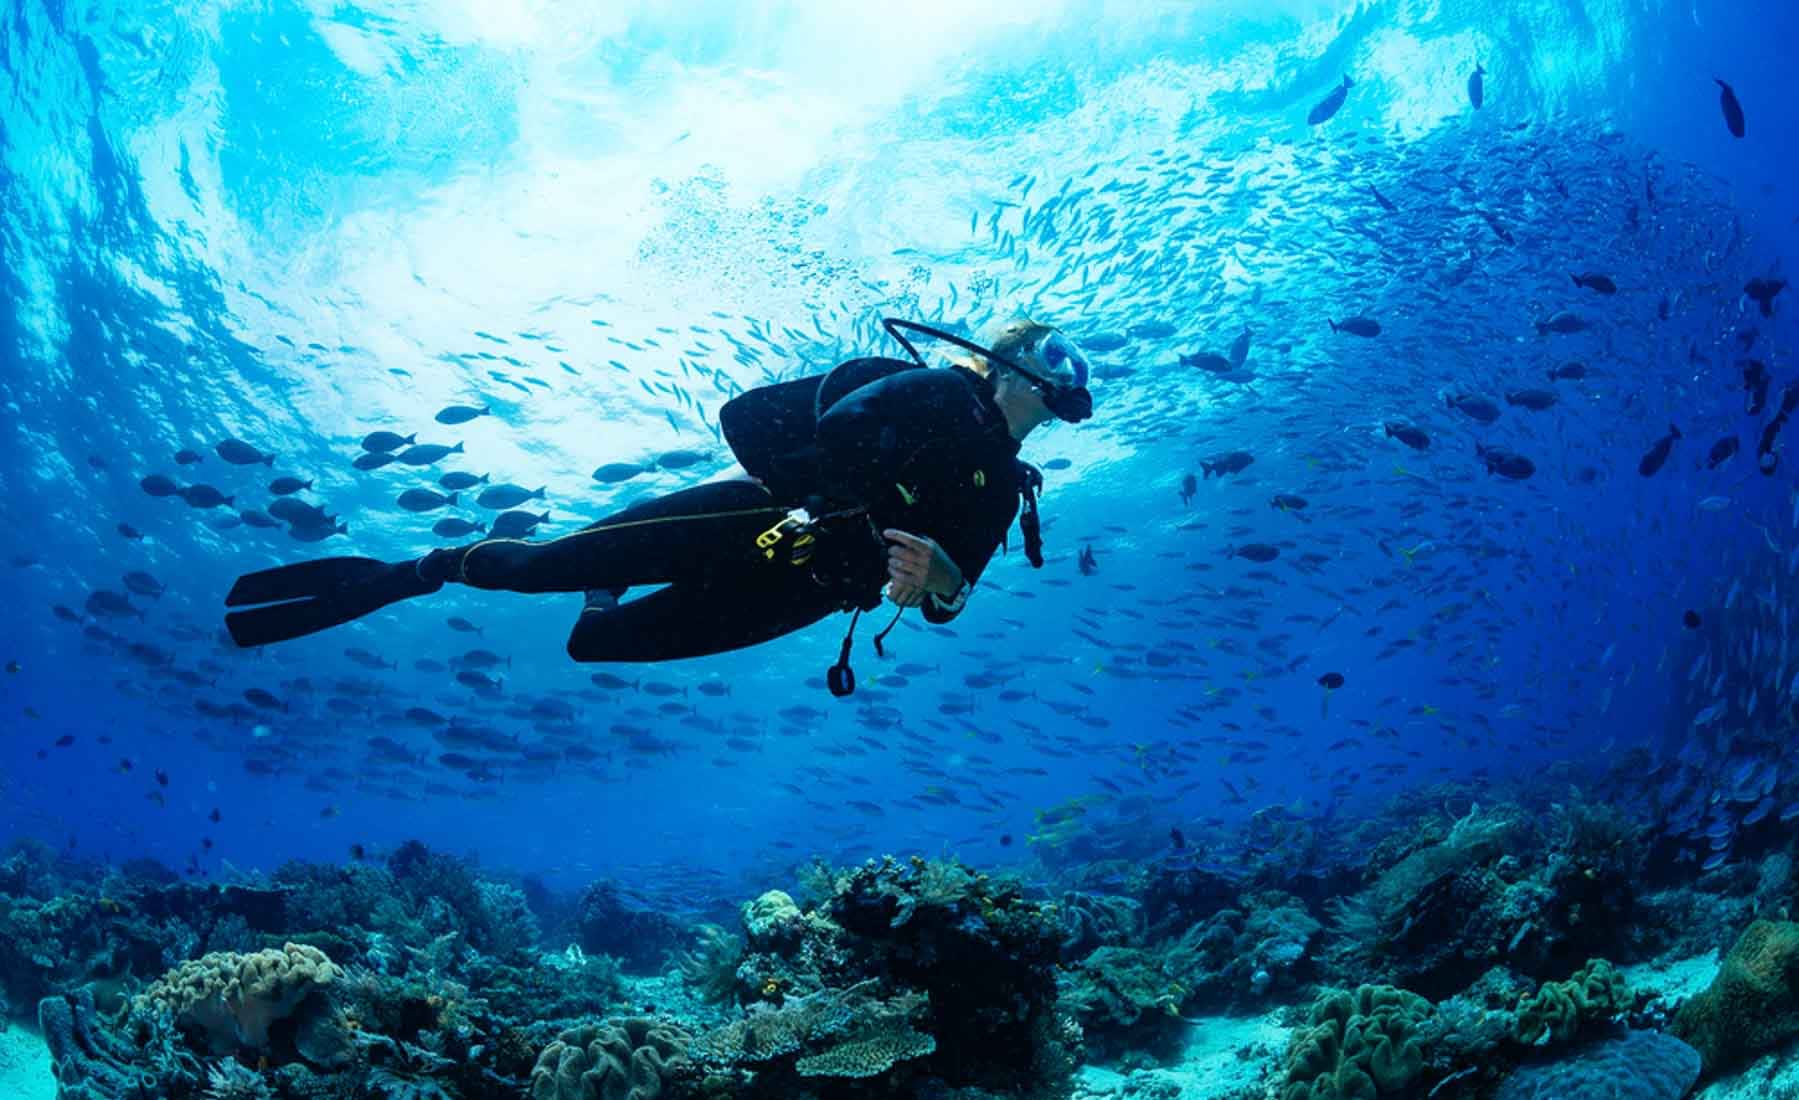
x: 1733, y: 111
x: 460, y: 414
x: 1658, y: 454
x: 1232, y: 462
x: 1474, y: 406
x: 159, y: 486
x: 287, y: 486
x: 1327, y: 107
x: 457, y: 480
x: 1534, y: 400
x: 680, y: 460
x: 1407, y: 434
x: 1477, y: 92
x: 615, y: 472
x: 204, y: 496
x: 1189, y: 486
x: 373, y: 460
x: 130, y: 532
x: 1690, y: 619
x: 452, y: 527
x: 506, y: 495
x: 1176, y: 838
x: 1595, y: 282
x: 239, y: 453
x: 462, y: 625
x: 1331, y: 681
x: 1568, y: 372
x: 1239, y: 350
x: 1563, y: 323
x: 1089, y: 565
x: 1356, y: 326
x: 188, y: 457
x: 424, y: 500
x: 1714, y: 503
x: 143, y: 584
x: 1722, y: 451
x: 1259, y: 552
x: 1385, y: 203
x: 424, y: 454
x: 516, y: 525
x: 1505, y: 463
x: 382, y: 442
x: 1287, y: 502
x: 1209, y: 362
x: 1763, y: 292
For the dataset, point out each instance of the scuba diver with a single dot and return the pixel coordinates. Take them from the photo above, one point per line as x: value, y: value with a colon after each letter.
x: 881, y: 473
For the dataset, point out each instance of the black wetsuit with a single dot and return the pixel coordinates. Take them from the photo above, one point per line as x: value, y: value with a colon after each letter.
x: 925, y: 451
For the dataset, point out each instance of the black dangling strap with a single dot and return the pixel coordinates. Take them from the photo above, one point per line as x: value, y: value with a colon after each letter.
x: 882, y: 636
x: 840, y: 678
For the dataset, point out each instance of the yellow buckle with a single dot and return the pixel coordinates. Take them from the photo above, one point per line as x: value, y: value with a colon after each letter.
x: 797, y: 520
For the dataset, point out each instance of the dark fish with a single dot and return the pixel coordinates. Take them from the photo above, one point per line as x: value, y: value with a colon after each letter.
x: 1763, y: 292
x: 1568, y: 372
x: 383, y: 442
x: 1058, y: 464
x: 1385, y: 203
x: 1755, y: 382
x: 159, y: 486
x: 462, y: 625
x: 506, y: 495
x: 144, y: 584
x: 1477, y: 92
x: 65, y: 740
x: 298, y: 512
x: 680, y: 460
x: 1505, y: 463
x: 614, y: 472
x: 1331, y: 681
x: 1232, y: 462
x: 239, y: 453
x: 373, y: 460
x: 1357, y: 326
x: 1151, y: 330
x: 424, y: 500
x: 204, y: 496
x: 1474, y: 406
x: 1104, y: 341
x: 458, y: 480
x: 187, y: 457
x: 107, y: 604
x: 1176, y: 838
x: 1207, y: 361
x: 1411, y: 436
x: 1287, y: 502
x: 1563, y: 322
x: 1690, y: 620
x: 1595, y: 282
x: 1765, y: 458
x: 130, y: 532
x: 1733, y: 111
x: 257, y: 697
x: 1239, y: 351
x: 454, y: 528
x: 1535, y: 400
x: 255, y: 518
x: 460, y: 414
x: 1330, y: 104
x: 287, y: 486
x: 1089, y: 565
x: 1189, y: 486
x: 424, y: 454
x: 1722, y: 451
x: 1254, y: 551
x: 1498, y: 227
x: 316, y: 533
x: 516, y: 525
x: 1658, y: 454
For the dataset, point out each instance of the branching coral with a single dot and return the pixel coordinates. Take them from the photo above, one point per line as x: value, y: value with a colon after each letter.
x: 231, y: 1000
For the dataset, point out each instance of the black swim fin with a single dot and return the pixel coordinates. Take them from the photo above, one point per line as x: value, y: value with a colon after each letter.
x: 311, y: 596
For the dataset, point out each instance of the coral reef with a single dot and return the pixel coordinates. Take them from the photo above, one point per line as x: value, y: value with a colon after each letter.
x: 625, y: 1058
x: 1753, y: 1004
x: 232, y: 1000
x: 1556, y: 1012
x: 640, y: 939
x: 1361, y: 1044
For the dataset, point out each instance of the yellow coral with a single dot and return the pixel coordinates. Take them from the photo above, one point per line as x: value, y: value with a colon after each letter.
x: 232, y: 999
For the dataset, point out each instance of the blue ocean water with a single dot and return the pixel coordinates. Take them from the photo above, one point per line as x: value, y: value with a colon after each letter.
x: 293, y: 224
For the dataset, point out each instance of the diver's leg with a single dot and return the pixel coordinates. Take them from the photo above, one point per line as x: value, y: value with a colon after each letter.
x: 694, y: 620
x: 682, y: 536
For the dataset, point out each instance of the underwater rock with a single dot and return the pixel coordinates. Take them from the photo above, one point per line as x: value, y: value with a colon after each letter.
x: 229, y: 1000
x: 1644, y: 1065
x: 1753, y: 1003
x: 1357, y: 1045
x: 640, y: 939
x: 1124, y: 1001
x: 1091, y: 921
x: 772, y: 921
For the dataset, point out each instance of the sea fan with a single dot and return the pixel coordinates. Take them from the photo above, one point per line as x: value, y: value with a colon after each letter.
x: 233, y: 1081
